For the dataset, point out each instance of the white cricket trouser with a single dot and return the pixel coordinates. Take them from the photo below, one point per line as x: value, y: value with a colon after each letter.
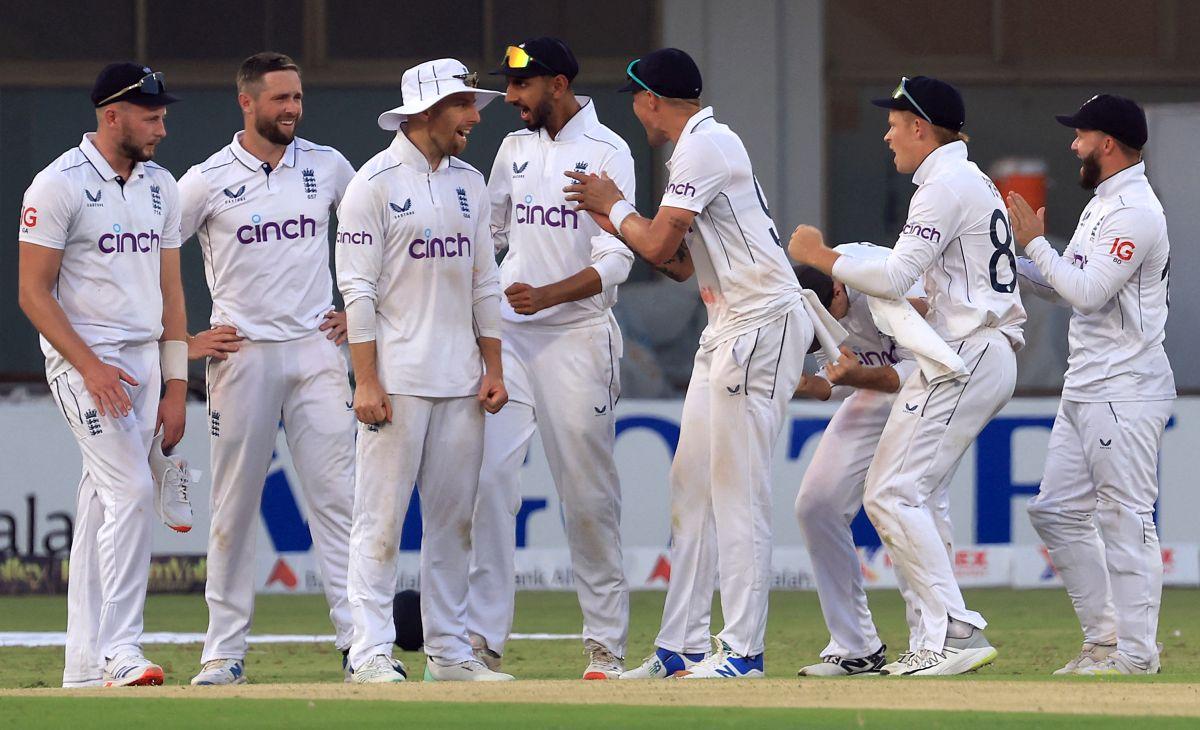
x: 305, y: 383
x: 830, y: 495
x: 563, y: 381
x: 735, y: 407
x: 114, y: 515
x: 437, y: 442
x: 927, y: 433
x: 1095, y: 512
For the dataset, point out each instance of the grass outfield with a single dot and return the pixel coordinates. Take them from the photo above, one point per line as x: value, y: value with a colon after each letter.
x: 1035, y: 632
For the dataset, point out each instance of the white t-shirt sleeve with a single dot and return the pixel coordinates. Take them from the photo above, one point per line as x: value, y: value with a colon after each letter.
x: 360, y: 241
x: 698, y: 172
x: 499, y: 188
x: 343, y: 173
x: 612, y: 259
x: 1033, y: 281
x: 934, y: 218
x: 193, y: 203
x: 47, y: 210
x: 485, y: 278
x: 171, y: 237
x: 1124, y: 239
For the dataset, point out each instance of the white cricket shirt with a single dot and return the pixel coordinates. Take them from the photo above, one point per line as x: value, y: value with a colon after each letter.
x: 547, y: 239
x: 417, y: 243
x: 111, y: 235
x: 959, y: 238
x: 265, y: 236
x: 1114, y: 274
x: 744, y: 274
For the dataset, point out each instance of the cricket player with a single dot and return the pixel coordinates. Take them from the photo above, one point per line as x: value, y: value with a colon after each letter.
x: 1095, y: 507
x: 958, y: 238
x: 99, y: 279
x: 417, y: 270
x: 713, y: 221
x: 260, y: 209
x: 561, y: 352
x: 873, y: 367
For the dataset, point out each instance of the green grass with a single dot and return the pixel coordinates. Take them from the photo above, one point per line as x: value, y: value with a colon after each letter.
x: 1035, y: 631
x: 243, y: 713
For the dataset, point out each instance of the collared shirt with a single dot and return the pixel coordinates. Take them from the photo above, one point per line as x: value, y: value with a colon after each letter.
x: 111, y: 232
x: 417, y: 244
x: 1114, y: 274
x: 744, y: 275
x: 548, y: 240
x: 959, y: 239
x: 264, y: 234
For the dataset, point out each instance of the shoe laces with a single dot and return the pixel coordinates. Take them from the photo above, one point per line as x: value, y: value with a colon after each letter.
x: 218, y: 664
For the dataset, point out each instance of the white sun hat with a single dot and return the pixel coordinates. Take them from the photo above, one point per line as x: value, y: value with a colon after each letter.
x: 424, y: 85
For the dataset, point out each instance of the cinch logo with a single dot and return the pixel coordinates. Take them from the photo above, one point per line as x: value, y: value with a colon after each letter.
x: 357, y: 238
x: 681, y: 189
x: 436, y: 248
x: 1122, y: 250
x: 537, y: 215
x: 119, y: 242
x: 29, y: 217
x: 872, y: 358
x: 261, y: 232
x: 929, y: 233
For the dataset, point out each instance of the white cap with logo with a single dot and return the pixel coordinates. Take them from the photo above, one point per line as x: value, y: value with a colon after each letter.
x: 424, y: 85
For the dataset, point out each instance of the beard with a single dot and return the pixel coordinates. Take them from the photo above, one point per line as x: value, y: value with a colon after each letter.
x: 273, y: 133
x: 143, y: 153
x: 1089, y: 173
x: 538, y: 116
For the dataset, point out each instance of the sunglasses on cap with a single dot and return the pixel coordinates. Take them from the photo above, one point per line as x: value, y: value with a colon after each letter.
x: 152, y: 84
x: 902, y: 93
x: 517, y: 57
x: 629, y: 72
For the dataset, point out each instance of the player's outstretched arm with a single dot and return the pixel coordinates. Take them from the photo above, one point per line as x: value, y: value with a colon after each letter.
x: 39, y: 268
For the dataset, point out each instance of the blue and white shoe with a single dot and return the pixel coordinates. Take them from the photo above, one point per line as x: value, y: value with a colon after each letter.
x: 221, y: 671
x: 662, y: 664
x: 725, y: 664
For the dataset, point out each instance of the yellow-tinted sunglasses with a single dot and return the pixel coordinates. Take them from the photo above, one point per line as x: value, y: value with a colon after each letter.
x: 517, y: 57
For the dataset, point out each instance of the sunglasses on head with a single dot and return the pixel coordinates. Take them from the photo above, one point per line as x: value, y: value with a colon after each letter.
x: 152, y: 84
x: 469, y: 79
x: 629, y: 72
x: 901, y: 92
x: 517, y: 57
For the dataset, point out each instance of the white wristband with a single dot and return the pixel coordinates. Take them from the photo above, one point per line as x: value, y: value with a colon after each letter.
x: 621, y: 210
x: 173, y: 360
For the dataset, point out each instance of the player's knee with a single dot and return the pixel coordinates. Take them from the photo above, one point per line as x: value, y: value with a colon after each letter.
x: 813, y: 506
x: 1043, y: 515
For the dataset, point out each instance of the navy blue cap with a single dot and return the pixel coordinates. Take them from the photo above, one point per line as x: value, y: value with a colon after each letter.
x: 937, y: 102
x: 550, y: 57
x: 117, y: 78
x: 1116, y: 116
x: 667, y: 72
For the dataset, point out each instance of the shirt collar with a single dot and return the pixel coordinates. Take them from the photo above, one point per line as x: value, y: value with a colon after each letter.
x: 700, y: 116
x: 1123, y: 179
x: 88, y: 147
x: 405, y: 152
x: 578, y: 125
x: 939, y: 158
x: 250, y: 161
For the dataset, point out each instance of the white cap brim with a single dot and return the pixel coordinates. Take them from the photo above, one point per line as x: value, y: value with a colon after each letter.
x: 393, y: 118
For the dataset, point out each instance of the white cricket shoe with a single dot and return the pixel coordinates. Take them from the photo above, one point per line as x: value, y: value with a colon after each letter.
x: 221, y: 671
x: 603, y: 663
x: 1090, y: 655
x: 725, y: 664
x: 472, y: 670
x: 958, y: 656
x: 836, y: 666
x: 1117, y: 663
x: 379, y: 669
x: 663, y: 664
x: 172, y: 477
x: 483, y: 653
x: 84, y: 683
x: 132, y: 670
x: 901, y: 661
